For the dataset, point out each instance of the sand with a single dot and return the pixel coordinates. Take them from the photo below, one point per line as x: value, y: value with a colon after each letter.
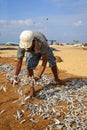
x: 73, y: 65
x: 74, y: 58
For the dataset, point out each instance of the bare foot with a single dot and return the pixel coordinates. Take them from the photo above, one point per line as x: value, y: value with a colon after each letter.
x: 31, y: 93
x: 58, y: 82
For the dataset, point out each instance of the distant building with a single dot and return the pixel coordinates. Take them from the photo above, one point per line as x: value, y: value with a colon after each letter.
x: 52, y: 42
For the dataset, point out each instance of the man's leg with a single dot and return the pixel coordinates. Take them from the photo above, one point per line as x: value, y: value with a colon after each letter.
x: 32, y: 91
x: 52, y: 63
x: 55, y: 73
x: 31, y: 63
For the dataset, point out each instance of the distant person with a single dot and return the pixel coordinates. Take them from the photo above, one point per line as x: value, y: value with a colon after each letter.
x: 36, y: 46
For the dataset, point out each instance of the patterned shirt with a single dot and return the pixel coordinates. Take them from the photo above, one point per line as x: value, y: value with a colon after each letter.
x: 41, y: 46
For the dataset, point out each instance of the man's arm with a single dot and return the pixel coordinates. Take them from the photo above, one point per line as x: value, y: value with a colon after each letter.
x: 43, y: 66
x: 18, y: 67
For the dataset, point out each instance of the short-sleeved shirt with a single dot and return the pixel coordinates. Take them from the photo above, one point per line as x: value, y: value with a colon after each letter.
x: 41, y: 46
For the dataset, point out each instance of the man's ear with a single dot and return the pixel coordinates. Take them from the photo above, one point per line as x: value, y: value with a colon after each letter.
x: 34, y: 40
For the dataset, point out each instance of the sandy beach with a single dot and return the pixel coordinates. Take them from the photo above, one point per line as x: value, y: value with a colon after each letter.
x: 72, y: 64
x: 74, y: 58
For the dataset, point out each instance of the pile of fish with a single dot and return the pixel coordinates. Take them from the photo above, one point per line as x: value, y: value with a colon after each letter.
x: 50, y: 106
x: 5, y: 67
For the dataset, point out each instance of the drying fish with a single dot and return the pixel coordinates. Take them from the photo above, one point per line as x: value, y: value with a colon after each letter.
x: 20, y: 91
x: 73, y: 93
x: 34, y: 121
x: 2, y: 111
x: 19, y: 114
x: 3, y: 87
x: 23, y: 121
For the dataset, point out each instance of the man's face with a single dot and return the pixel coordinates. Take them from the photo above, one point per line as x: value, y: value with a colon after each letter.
x: 32, y: 47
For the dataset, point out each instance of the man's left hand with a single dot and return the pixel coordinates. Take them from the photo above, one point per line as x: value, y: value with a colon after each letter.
x: 36, y: 78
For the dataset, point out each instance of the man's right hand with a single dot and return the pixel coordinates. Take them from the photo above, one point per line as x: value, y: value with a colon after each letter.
x: 15, y: 80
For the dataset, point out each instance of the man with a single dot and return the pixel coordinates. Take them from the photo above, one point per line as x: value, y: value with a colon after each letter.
x: 36, y: 47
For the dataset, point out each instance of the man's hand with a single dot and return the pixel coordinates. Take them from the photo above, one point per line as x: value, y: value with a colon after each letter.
x: 37, y: 78
x: 32, y: 80
x: 15, y: 80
